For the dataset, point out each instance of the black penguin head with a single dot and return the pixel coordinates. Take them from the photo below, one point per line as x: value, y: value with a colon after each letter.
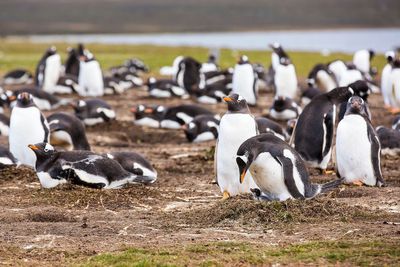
x: 281, y: 103
x: 136, y: 64
x: 278, y: 49
x: 361, y: 89
x: 285, y: 61
x: 6, y: 98
x: 371, y: 54
x: 356, y: 105
x: 42, y: 151
x: 81, y: 109
x: 244, y: 158
x: 243, y: 59
x: 52, y: 50
x: 24, y: 99
x: 396, y: 63
x: 259, y: 69
x: 191, y: 74
x: 236, y: 103
x: 212, y: 58
x: 148, y: 111
x: 390, y: 55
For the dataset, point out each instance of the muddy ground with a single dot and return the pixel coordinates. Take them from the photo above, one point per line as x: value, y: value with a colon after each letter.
x: 70, y: 223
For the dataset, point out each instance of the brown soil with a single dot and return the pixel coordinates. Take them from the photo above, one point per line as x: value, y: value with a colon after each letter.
x: 57, y: 226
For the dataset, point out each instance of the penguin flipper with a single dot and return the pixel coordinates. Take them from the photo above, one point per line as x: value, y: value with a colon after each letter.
x: 215, y: 161
x: 287, y: 169
x: 46, y: 128
x: 331, y: 185
x: 375, y: 154
x: 143, y: 179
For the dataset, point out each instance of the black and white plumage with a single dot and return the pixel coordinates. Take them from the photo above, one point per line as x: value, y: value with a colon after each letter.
x: 148, y: 115
x: 67, y: 84
x: 165, y: 88
x: 395, y: 86
x: 290, y: 125
x: 188, y: 74
x: 266, y: 125
x: 285, y: 78
x: 277, y: 169
x: 358, y: 150
x: 212, y: 94
x: 313, y: 134
x: 4, y: 125
x: 396, y: 123
x: 386, y: 80
x: 6, y: 158
x: 48, y: 70
x: 236, y: 126
x: 389, y: 139
x: 72, y: 63
x: 202, y: 128
x: 284, y: 108
x: 113, y: 86
x: 68, y: 131
x: 210, y: 65
x: 42, y: 99
x: 90, y: 77
x: 361, y: 89
x: 362, y: 60
x: 18, y: 76
x: 321, y: 76
x: 308, y: 94
x: 79, y: 167
x: 135, y: 164
x: 27, y: 126
x: 93, y: 111
x: 244, y: 81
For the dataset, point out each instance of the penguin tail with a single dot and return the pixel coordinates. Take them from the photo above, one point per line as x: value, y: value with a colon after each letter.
x: 141, y: 179
x: 331, y: 185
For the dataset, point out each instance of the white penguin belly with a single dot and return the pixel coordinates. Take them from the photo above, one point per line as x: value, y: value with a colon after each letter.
x: 206, y: 136
x: 146, y: 121
x: 47, y: 182
x: 326, y: 80
x: 286, y: 81
x: 386, y: 84
x: 395, y: 87
x: 25, y: 128
x: 353, y: 150
x: 61, y: 138
x: 268, y: 175
x: 160, y: 93
x: 91, y: 79
x: 350, y: 76
x: 52, y: 72
x: 243, y: 82
x: 233, y: 131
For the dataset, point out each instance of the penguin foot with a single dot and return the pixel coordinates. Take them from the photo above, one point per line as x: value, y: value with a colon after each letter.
x: 358, y: 183
x: 328, y: 172
x: 394, y: 111
x: 226, y: 195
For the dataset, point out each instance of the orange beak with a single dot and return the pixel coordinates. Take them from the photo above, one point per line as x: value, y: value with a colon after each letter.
x: 227, y: 99
x: 33, y: 147
x: 242, y: 176
x: 12, y: 97
x: 133, y: 110
x: 148, y: 110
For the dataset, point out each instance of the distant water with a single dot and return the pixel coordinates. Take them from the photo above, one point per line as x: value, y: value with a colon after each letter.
x: 340, y: 40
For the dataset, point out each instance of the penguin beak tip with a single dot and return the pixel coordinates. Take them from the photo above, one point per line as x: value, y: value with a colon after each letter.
x: 33, y: 147
x: 227, y: 99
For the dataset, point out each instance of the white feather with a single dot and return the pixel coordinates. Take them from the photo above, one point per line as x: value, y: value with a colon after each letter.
x: 243, y: 81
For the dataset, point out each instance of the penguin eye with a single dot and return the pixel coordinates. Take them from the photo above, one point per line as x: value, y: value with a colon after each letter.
x: 45, y: 150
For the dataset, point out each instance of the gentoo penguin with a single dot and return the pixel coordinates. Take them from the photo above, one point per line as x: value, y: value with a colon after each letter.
x: 90, y: 77
x: 171, y: 70
x: 48, y: 70
x: 351, y: 75
x: 188, y: 74
x: 67, y: 84
x: 165, y: 88
x: 322, y: 77
x: 396, y: 123
x: 79, y: 167
x: 266, y: 125
x: 386, y: 82
x: 146, y: 115
x: 314, y: 130
x: 72, y: 63
x: 136, y: 65
x: 210, y: 65
x: 309, y: 93
x: 112, y: 86
x: 338, y: 68
x: 244, y: 81
x: 27, y: 126
x: 277, y: 169
x: 276, y: 55
x: 202, y: 128
x: 395, y: 85
x: 68, y: 131
x: 93, y: 111
x: 389, y: 139
x: 362, y: 59
x: 18, y: 76
x: 285, y: 79
x: 4, y: 124
x: 212, y: 94
x: 236, y: 126
x: 176, y: 117
x: 262, y: 78
x: 360, y: 89
x: 284, y: 108
x: 135, y: 164
x: 43, y: 100
x: 6, y: 158
x: 358, y: 150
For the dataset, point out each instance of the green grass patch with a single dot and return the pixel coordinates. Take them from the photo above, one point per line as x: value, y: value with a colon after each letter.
x: 18, y: 54
x: 360, y: 253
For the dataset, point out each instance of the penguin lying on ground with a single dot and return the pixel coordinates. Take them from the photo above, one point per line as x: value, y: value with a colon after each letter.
x: 27, y: 125
x: 284, y: 108
x: 313, y: 134
x: 266, y: 125
x: 244, y: 81
x: 18, y: 76
x: 358, y: 150
x: 68, y: 131
x: 80, y: 167
x: 6, y: 158
x: 67, y: 84
x: 202, y: 128
x: 389, y: 139
x: 212, y: 94
x: 165, y: 88
x: 236, y: 126
x: 135, y: 164
x: 112, y: 86
x: 277, y: 169
x: 93, y: 111
x: 167, y: 117
x: 396, y: 123
x: 48, y: 70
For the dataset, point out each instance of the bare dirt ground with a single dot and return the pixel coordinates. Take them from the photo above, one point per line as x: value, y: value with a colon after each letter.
x: 61, y: 226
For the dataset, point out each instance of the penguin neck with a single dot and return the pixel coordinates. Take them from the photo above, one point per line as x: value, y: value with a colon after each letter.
x: 42, y: 161
x: 244, y: 110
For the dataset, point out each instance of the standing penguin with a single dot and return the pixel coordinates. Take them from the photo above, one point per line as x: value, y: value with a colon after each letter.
x: 6, y: 158
x: 277, y: 169
x: 358, y: 150
x: 395, y: 87
x: 90, y: 77
x: 188, y: 74
x: 27, y: 126
x: 322, y: 77
x: 72, y: 63
x: 67, y: 130
x: 236, y: 126
x: 362, y: 60
x: 314, y: 130
x: 48, y: 70
x: 285, y: 78
x: 244, y: 81
x: 386, y: 82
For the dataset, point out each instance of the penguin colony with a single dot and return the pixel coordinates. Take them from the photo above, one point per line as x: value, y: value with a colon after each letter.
x: 328, y: 124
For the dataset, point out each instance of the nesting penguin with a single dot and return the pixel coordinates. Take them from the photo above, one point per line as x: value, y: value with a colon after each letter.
x: 358, y: 150
x: 18, y: 76
x: 48, y: 70
x: 27, y: 126
x: 4, y: 124
x: 165, y: 88
x: 79, y: 167
x: 135, y: 164
x: 389, y: 139
x: 284, y: 108
x: 277, y: 169
x: 42, y: 99
x: 6, y: 158
x: 266, y: 125
x: 313, y: 134
x: 146, y: 115
x: 244, y: 81
x: 67, y: 131
x: 202, y: 128
x: 386, y: 81
x: 236, y: 126
x: 93, y: 111
x: 90, y: 77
